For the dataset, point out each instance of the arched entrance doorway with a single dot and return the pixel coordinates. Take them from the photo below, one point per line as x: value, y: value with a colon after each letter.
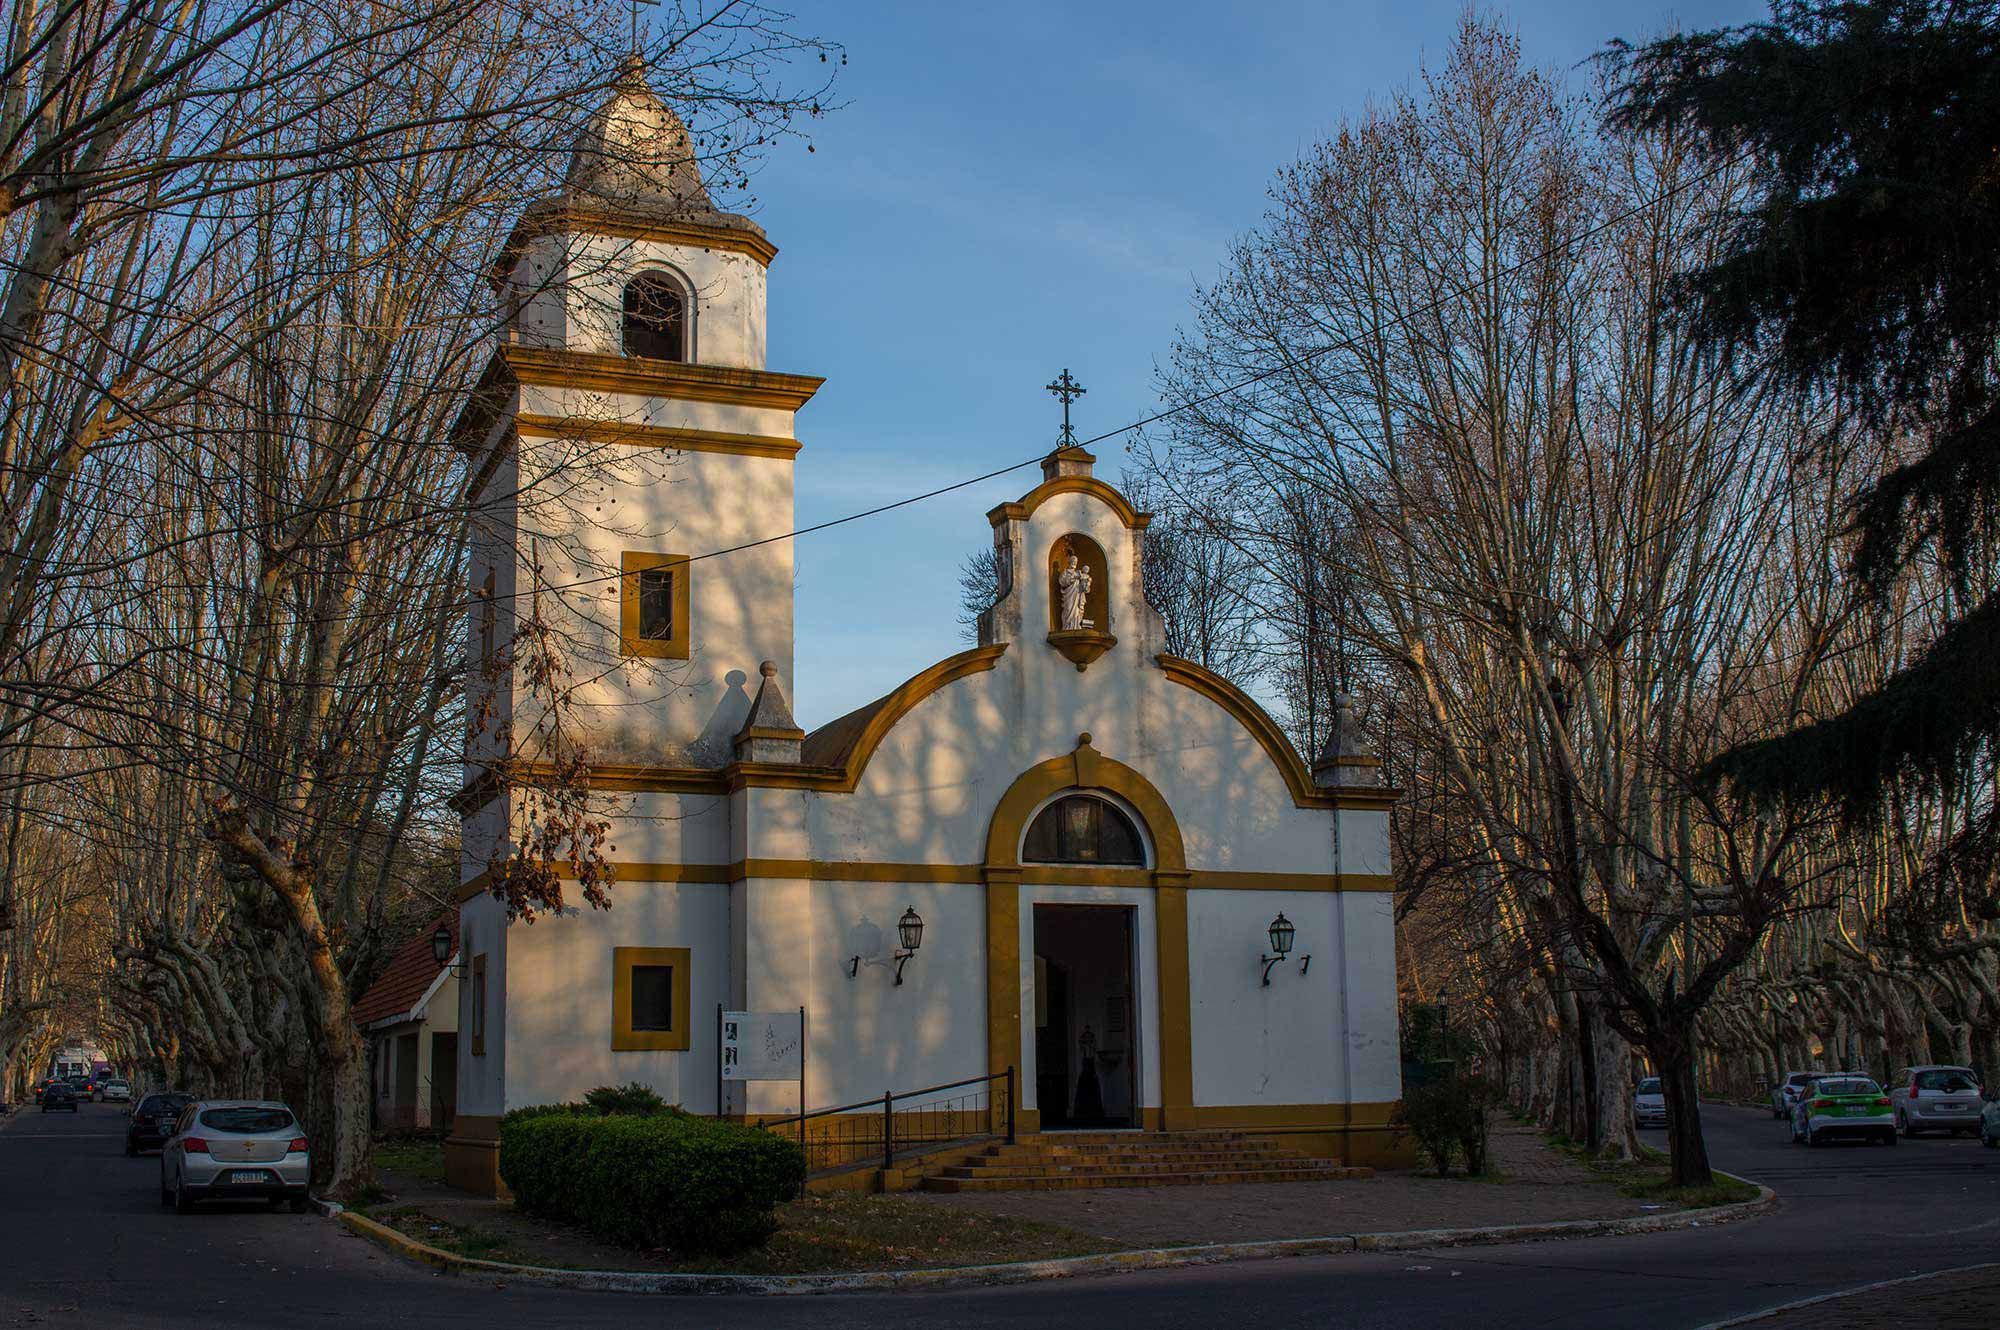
x: 1098, y: 837
x: 1085, y: 1029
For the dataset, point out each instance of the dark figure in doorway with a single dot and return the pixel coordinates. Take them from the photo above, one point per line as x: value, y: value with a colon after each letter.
x: 1089, y: 1094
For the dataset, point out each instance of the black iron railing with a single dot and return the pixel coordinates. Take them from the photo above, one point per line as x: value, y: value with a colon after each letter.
x: 876, y: 1129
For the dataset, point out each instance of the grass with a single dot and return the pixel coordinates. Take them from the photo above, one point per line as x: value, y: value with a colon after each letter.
x: 418, y: 1158
x: 1724, y: 1190
x: 459, y: 1239
x: 816, y: 1235
x: 1646, y: 1177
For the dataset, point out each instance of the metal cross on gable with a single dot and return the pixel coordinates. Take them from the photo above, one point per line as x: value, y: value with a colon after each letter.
x: 654, y: 4
x: 1068, y: 390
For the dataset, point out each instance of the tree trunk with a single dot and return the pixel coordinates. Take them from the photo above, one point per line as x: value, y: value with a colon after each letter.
x: 1673, y: 1061
x: 343, y: 1058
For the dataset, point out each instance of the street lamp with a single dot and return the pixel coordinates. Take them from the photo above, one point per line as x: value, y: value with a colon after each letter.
x: 910, y: 930
x: 1282, y: 933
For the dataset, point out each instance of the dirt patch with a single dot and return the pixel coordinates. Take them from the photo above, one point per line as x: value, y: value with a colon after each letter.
x: 817, y: 1234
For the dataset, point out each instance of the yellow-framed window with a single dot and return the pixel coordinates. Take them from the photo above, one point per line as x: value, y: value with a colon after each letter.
x: 649, y: 998
x: 653, y: 605
x: 479, y: 1005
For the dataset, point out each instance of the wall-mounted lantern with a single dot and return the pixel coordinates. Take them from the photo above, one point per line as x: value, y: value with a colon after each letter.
x: 1282, y: 933
x: 910, y: 930
x: 441, y: 947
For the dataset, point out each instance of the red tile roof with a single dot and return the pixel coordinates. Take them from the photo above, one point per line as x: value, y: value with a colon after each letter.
x: 409, y: 976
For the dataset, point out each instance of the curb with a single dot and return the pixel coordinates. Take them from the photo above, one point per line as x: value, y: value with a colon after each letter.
x: 1751, y: 1318
x: 1017, y: 1272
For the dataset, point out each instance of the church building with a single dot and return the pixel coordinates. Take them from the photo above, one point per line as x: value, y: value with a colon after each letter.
x: 1124, y: 881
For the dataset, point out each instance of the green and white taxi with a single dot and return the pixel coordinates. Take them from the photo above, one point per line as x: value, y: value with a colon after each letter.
x: 1838, y: 1107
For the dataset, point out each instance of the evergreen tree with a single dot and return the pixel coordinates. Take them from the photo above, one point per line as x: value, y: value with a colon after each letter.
x: 1866, y: 268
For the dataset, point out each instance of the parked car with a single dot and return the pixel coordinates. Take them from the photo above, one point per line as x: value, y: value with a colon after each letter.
x: 1649, y: 1103
x: 1989, y: 1121
x: 1785, y: 1095
x: 1841, y: 1105
x: 153, y: 1120
x: 235, y: 1149
x: 1936, y: 1098
x: 58, y: 1097
x: 115, y: 1090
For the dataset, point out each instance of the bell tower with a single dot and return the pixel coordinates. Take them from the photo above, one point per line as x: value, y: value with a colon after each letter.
x: 637, y: 454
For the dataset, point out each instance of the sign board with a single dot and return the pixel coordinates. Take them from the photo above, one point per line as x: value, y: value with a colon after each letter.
x: 763, y: 1045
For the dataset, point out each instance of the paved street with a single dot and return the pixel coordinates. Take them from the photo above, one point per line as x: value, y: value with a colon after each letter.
x: 83, y: 1241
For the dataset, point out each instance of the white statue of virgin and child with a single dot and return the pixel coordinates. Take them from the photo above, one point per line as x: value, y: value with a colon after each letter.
x: 1074, y: 585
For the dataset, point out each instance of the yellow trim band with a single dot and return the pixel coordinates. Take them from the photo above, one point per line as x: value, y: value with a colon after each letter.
x: 1034, y: 875
x: 587, y: 430
x: 594, y: 371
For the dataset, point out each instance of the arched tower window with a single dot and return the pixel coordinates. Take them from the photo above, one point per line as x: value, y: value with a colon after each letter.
x: 656, y: 317
x: 1083, y: 829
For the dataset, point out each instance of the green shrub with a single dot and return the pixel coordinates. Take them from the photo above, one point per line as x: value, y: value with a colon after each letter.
x: 1427, y: 1113
x: 668, y: 1179
x: 1448, y: 1118
x: 633, y: 1098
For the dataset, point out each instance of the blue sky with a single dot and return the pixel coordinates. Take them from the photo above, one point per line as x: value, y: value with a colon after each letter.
x: 1015, y: 188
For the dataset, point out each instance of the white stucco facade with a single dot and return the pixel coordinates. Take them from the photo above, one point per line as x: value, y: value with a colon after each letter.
x: 773, y: 866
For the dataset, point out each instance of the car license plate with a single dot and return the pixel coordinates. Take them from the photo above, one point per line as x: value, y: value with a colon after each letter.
x: 246, y: 1175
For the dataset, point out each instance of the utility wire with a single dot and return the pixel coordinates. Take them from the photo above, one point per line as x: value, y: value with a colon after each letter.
x: 1226, y: 390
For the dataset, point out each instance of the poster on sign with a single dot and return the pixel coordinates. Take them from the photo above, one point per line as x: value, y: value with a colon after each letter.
x: 763, y: 1045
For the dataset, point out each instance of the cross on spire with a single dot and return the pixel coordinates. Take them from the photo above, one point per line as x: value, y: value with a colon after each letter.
x: 655, y: 4
x: 1068, y: 390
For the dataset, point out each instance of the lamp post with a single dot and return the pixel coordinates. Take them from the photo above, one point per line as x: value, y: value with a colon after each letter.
x: 910, y: 931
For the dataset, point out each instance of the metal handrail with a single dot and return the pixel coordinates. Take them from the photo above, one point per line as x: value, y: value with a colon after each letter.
x: 887, y: 1103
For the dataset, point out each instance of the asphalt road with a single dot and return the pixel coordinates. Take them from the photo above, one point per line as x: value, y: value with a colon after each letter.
x: 83, y: 1241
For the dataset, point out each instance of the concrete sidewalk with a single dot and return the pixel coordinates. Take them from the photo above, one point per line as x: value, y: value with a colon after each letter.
x: 1537, y: 1185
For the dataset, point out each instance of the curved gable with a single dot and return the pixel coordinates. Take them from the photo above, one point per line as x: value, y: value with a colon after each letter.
x: 848, y: 743
x: 1024, y: 507
x: 1245, y: 711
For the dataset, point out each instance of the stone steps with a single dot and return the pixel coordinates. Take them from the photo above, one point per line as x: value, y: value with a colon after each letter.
x: 1132, y: 1159
x: 1152, y: 1178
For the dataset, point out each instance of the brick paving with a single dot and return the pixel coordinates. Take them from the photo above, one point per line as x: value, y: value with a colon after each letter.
x: 1949, y: 1302
x: 1538, y: 1185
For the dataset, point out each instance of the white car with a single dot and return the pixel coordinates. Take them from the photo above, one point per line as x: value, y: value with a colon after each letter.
x: 1785, y: 1095
x: 1937, y: 1098
x: 114, y: 1091
x: 1649, y: 1103
x: 235, y: 1149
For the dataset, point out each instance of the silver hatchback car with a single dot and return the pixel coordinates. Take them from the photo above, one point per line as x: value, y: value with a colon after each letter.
x: 235, y: 1149
x: 1936, y: 1098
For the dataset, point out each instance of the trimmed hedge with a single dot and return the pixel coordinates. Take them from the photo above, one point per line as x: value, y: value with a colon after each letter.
x: 663, y: 1180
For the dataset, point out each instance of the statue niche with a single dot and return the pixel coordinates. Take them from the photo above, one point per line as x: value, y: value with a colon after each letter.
x: 1079, y: 600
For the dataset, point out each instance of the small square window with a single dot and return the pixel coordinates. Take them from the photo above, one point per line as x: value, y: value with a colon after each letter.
x: 653, y: 613
x: 649, y: 998
x: 652, y: 997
